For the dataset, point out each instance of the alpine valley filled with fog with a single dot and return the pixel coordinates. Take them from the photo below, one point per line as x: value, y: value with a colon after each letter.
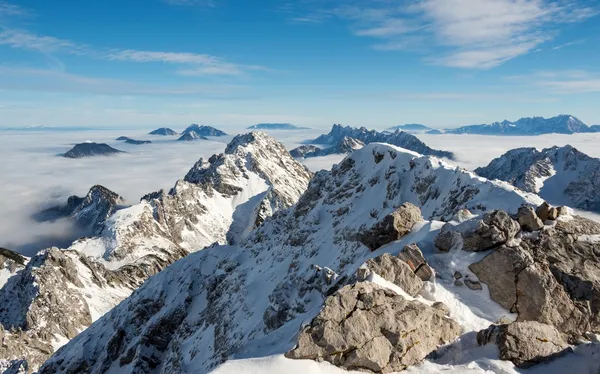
x: 307, y: 187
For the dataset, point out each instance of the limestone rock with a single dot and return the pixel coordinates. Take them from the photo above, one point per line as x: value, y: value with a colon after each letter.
x: 543, y: 211
x: 412, y: 255
x: 392, y: 227
x: 448, y: 240
x: 528, y: 219
x: 474, y: 285
x: 493, y: 230
x: 395, y: 270
x: 553, y: 213
x: 499, y: 270
x: 524, y: 343
x: 366, y: 327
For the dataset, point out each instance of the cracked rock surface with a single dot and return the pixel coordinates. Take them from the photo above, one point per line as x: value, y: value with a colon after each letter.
x: 366, y: 327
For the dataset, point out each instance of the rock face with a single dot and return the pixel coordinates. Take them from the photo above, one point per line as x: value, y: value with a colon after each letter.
x: 303, y: 150
x: 191, y: 135
x: 10, y: 263
x: 164, y: 131
x: 495, y: 229
x: 550, y: 278
x: 562, y: 173
x: 392, y: 227
x: 562, y: 124
x: 395, y: 270
x: 344, y: 145
x: 90, y: 149
x: 252, y: 297
x: 528, y: 219
x: 398, y: 138
x: 61, y: 292
x: 365, y: 327
x: 412, y: 255
x: 524, y: 343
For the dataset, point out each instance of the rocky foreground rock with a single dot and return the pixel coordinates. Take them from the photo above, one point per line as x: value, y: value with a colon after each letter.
x: 366, y: 327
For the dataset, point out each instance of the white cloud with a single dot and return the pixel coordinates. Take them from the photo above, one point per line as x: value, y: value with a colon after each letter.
x: 196, y: 64
x: 11, y: 10
x: 463, y: 33
x: 56, y: 81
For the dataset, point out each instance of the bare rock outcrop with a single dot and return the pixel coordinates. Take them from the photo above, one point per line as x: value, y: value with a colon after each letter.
x: 528, y: 219
x: 552, y: 277
x: 392, y: 227
x: 493, y: 230
x: 395, y: 270
x: 412, y: 255
x: 366, y: 327
x: 524, y: 343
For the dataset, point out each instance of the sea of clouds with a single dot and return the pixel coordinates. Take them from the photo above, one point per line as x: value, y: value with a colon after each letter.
x: 34, y: 176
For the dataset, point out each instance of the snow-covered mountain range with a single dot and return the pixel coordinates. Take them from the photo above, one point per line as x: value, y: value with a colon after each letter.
x: 562, y: 124
x: 253, y: 299
x: 343, y: 146
x: 391, y: 260
x: 561, y: 175
x: 398, y: 138
x: 61, y: 292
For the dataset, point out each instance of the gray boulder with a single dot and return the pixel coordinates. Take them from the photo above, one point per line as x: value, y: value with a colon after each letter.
x: 395, y: 270
x: 392, y: 227
x: 528, y: 219
x: 366, y: 327
x: 524, y: 343
x: 553, y: 213
x: 493, y: 230
x: 543, y: 211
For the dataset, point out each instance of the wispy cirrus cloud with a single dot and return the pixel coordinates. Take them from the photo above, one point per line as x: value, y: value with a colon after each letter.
x: 191, y: 64
x: 566, y: 81
x: 11, y: 10
x: 472, y: 34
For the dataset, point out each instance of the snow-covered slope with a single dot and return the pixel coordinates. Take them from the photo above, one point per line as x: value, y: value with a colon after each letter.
x: 561, y: 175
x: 220, y: 200
x: 562, y: 124
x: 398, y: 138
x: 250, y: 299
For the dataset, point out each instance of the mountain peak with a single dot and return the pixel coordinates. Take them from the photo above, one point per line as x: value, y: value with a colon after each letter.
x: 203, y: 130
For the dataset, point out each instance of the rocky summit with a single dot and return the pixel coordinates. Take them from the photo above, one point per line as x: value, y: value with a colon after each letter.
x: 343, y: 146
x: 62, y: 291
x: 390, y: 261
x: 304, y: 285
x: 397, y: 138
x: 562, y: 175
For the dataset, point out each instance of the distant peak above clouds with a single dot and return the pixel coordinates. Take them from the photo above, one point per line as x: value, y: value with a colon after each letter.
x: 561, y: 124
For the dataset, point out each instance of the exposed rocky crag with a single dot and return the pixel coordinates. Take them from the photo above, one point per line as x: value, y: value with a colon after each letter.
x: 61, y: 292
x: 561, y: 175
x: 343, y: 146
x: 252, y: 298
x: 398, y: 138
x: 369, y: 328
x: 550, y: 277
x: 525, y: 343
x: 203, y: 130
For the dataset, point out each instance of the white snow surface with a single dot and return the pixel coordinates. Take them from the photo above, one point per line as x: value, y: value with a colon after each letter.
x: 222, y: 294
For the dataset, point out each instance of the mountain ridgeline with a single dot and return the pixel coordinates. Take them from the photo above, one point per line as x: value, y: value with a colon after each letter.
x: 397, y: 138
x: 562, y: 124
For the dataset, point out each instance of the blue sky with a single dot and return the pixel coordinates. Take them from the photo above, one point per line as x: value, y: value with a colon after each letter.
x: 376, y: 63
